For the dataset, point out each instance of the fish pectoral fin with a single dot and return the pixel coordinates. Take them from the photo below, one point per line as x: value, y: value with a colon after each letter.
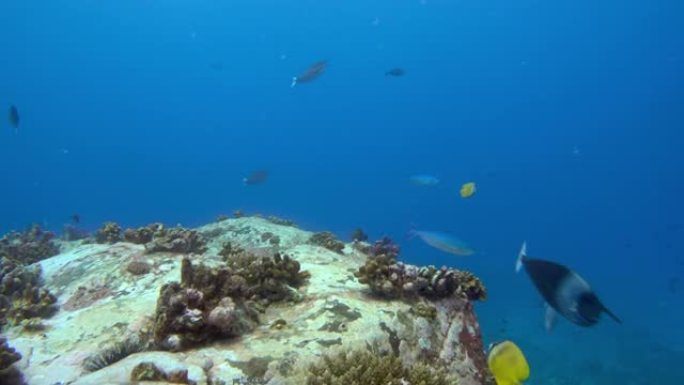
x: 550, y: 317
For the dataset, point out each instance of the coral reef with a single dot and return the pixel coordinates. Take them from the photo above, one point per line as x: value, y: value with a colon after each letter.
x: 30, y: 246
x: 372, y: 368
x: 8, y: 355
x: 358, y: 235
x: 271, y: 238
x: 389, y: 278
x: 384, y: 246
x: 110, y: 232
x: 148, y: 371
x: 177, y: 240
x: 21, y: 293
x: 116, y: 352
x: 220, y: 302
x: 328, y: 240
x: 142, y: 235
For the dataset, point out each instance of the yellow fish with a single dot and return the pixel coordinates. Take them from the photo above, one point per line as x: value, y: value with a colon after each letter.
x: 468, y: 189
x: 507, y: 363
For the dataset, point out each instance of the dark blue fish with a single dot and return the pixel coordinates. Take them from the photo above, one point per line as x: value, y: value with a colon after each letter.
x: 312, y: 73
x: 257, y: 177
x: 396, y: 72
x: 564, y: 291
x: 13, y: 116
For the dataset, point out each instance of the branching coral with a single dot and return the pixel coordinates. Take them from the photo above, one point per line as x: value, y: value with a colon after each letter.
x: 220, y: 302
x: 110, y: 232
x: 30, y: 246
x: 328, y: 240
x: 366, y: 368
x: 21, y: 293
x: 390, y: 278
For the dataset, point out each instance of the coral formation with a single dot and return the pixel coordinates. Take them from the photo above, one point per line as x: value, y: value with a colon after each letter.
x: 358, y: 235
x: 328, y: 240
x: 21, y: 293
x: 271, y: 238
x: 389, y: 278
x: 115, y: 352
x: 148, y: 371
x: 138, y: 267
x: 8, y: 355
x: 30, y: 246
x: 142, y: 235
x: 371, y: 368
x: 177, y: 240
x: 110, y: 232
x: 220, y: 302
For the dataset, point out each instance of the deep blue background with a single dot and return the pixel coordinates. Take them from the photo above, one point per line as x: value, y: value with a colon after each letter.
x: 141, y: 111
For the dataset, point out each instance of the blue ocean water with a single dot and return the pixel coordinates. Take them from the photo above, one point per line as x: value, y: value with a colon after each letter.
x: 567, y: 115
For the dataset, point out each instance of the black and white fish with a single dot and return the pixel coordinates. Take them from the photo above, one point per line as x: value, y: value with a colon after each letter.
x: 564, y: 291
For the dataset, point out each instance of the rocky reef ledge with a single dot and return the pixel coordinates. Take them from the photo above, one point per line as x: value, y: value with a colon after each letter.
x: 244, y: 301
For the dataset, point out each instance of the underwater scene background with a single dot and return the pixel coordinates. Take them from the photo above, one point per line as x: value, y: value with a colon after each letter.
x: 566, y: 114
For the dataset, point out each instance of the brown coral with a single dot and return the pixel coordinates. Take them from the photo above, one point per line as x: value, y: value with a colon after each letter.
x: 370, y: 368
x: 142, y: 235
x: 387, y: 277
x: 328, y: 240
x: 30, y: 246
x: 177, y: 240
x: 110, y: 232
x: 8, y: 355
x: 21, y: 293
x: 219, y: 302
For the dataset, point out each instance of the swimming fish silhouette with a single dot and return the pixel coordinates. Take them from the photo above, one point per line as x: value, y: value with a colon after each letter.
x: 312, y: 73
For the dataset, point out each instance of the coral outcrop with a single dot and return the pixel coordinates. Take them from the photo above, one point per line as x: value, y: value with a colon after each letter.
x: 110, y: 233
x: 389, y: 278
x: 8, y: 355
x: 213, y: 303
x: 328, y: 240
x: 22, y: 295
x: 142, y: 235
x: 372, y: 368
x: 177, y: 240
x: 30, y: 246
x: 286, y: 319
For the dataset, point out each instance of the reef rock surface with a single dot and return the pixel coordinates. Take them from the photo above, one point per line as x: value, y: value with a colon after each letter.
x: 103, y: 302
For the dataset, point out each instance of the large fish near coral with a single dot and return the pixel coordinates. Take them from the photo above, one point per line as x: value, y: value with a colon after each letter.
x: 312, y: 73
x: 564, y: 291
x: 443, y: 242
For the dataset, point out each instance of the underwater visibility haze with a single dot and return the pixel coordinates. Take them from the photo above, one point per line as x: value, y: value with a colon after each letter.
x: 488, y: 123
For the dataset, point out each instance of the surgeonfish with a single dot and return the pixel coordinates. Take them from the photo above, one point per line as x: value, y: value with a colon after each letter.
x: 507, y: 363
x: 468, y: 189
x: 396, y: 72
x: 424, y: 180
x: 256, y: 177
x: 564, y: 291
x: 13, y: 116
x: 311, y: 73
x: 443, y: 242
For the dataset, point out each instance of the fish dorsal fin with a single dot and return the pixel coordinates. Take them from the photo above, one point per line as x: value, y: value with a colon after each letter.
x: 521, y: 257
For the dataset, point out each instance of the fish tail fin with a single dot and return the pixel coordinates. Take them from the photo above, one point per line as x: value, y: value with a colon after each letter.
x: 521, y: 257
x: 412, y: 233
x: 611, y: 315
x: 294, y: 82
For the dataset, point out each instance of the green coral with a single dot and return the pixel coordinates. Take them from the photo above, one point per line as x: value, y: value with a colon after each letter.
x: 22, y: 295
x: 368, y: 368
x: 328, y: 240
x: 422, y: 309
